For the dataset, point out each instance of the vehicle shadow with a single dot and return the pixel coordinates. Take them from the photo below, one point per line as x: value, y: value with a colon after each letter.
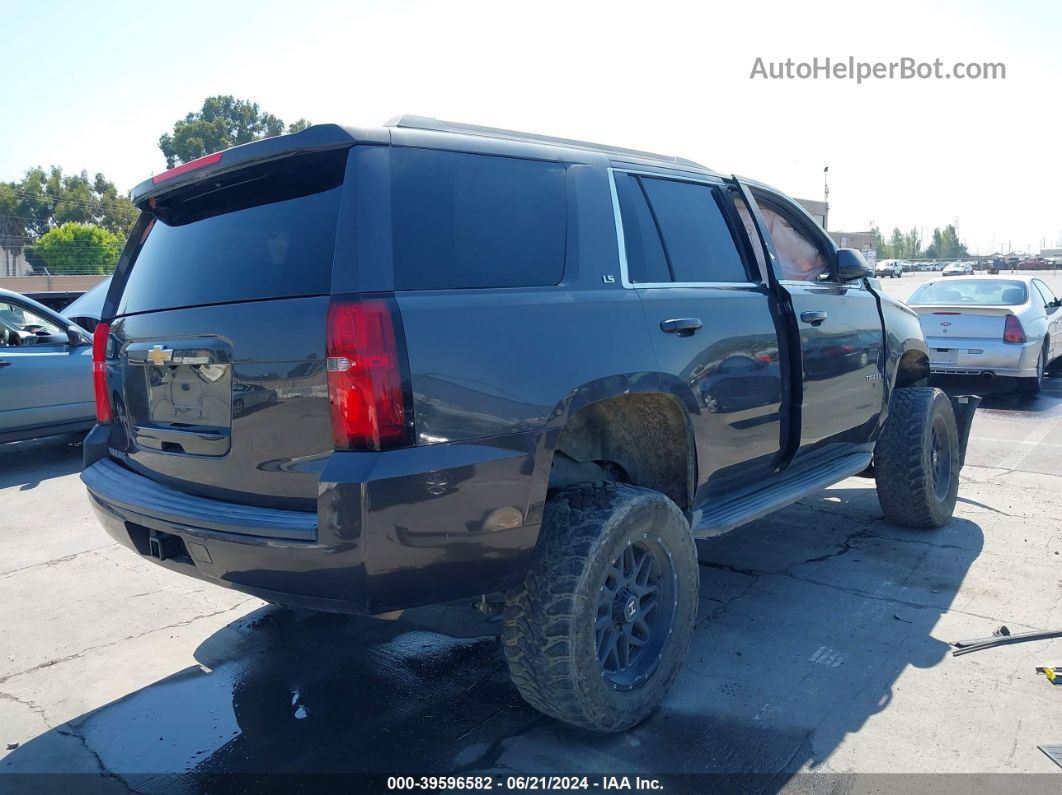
x: 51, y: 457
x: 807, y: 620
x: 1003, y: 395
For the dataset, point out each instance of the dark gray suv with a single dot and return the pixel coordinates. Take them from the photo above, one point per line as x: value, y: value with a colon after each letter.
x: 361, y: 370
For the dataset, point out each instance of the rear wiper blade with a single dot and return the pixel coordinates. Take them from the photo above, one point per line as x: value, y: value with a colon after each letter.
x: 1002, y: 638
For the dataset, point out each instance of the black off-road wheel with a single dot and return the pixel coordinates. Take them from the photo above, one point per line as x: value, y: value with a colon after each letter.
x: 916, y: 460
x: 598, y: 630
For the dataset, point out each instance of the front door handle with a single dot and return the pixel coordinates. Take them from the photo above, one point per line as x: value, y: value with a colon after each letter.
x: 4, y: 364
x: 815, y: 317
x: 683, y: 326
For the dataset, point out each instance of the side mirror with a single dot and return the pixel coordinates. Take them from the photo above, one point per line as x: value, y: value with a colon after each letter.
x: 851, y: 265
x: 74, y: 336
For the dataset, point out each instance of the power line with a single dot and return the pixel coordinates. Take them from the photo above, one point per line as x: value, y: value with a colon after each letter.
x: 59, y: 200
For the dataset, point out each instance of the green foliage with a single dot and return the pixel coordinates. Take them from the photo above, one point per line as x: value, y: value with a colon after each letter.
x: 42, y: 200
x: 908, y: 245
x: 896, y: 243
x: 222, y: 122
x: 79, y: 248
x: 912, y: 244
x: 949, y: 243
x: 880, y: 246
x: 946, y: 244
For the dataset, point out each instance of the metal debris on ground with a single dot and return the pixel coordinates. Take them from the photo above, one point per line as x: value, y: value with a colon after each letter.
x: 1052, y: 672
x: 1002, y: 637
x: 1054, y: 752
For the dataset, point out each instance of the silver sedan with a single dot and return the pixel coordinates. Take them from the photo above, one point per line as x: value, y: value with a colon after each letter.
x: 990, y: 326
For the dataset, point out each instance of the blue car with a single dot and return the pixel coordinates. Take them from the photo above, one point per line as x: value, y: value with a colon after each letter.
x: 45, y: 371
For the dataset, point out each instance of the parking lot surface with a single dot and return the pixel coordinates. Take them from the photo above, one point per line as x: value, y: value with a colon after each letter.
x: 822, y: 646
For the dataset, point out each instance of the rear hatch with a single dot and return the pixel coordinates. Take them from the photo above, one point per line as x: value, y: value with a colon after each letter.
x: 220, y: 328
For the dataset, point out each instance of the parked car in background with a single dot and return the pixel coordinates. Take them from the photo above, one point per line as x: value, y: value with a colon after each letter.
x: 989, y: 326
x: 87, y: 310
x: 45, y: 371
x: 56, y: 300
x: 891, y: 268
x: 245, y: 397
x: 957, y: 269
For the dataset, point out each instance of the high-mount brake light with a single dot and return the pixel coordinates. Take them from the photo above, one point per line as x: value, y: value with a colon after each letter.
x: 184, y: 168
x: 368, y: 393
x: 99, y: 373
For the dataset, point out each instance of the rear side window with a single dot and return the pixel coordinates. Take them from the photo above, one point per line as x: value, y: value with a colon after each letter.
x: 263, y: 232
x: 462, y: 220
x: 1045, y: 292
x: 696, y: 240
x: 646, y: 261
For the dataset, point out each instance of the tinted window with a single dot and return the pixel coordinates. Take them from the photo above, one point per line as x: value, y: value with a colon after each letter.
x: 462, y: 220
x: 267, y: 232
x: 697, y: 240
x: 646, y: 262
x: 982, y: 292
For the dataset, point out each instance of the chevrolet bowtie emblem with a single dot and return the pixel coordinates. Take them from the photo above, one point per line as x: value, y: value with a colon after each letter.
x: 159, y: 355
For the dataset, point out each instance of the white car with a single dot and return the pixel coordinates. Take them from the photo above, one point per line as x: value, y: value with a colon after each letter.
x: 957, y: 269
x: 889, y: 268
x: 990, y: 326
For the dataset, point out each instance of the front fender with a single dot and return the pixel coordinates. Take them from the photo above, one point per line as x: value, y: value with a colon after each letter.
x: 903, y: 338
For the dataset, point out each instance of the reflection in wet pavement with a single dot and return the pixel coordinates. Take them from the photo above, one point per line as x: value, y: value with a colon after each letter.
x: 327, y: 693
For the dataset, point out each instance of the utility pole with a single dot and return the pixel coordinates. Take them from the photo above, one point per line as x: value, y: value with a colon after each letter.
x: 826, y: 197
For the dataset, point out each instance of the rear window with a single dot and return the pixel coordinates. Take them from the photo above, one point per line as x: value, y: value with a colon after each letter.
x: 976, y: 292
x: 463, y: 220
x: 263, y: 232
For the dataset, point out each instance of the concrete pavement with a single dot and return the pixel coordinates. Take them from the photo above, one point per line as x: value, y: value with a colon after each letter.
x: 822, y: 646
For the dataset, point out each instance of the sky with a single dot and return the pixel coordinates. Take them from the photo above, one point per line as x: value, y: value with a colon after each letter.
x: 93, y: 85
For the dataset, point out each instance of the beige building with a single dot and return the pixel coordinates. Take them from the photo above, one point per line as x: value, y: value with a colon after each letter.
x: 816, y: 209
x: 13, y: 263
x: 863, y: 241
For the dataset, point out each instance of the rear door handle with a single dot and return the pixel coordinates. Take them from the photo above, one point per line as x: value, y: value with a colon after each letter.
x: 4, y: 364
x: 683, y: 326
x: 814, y: 317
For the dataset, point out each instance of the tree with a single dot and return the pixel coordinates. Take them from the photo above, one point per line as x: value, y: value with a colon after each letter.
x: 950, y: 246
x: 896, y: 243
x: 43, y: 200
x: 912, y: 244
x: 223, y: 121
x: 79, y: 248
x: 934, y: 249
x: 880, y: 246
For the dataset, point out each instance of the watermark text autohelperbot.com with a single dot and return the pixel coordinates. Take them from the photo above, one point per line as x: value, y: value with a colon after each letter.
x: 862, y: 71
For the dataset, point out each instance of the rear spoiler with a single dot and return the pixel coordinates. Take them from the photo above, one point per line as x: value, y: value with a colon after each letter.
x: 318, y: 138
x: 964, y: 309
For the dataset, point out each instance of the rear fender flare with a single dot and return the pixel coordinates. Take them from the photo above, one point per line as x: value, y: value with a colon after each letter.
x: 596, y: 391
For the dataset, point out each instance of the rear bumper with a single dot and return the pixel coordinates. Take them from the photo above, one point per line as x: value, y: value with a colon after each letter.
x: 392, y: 530
x: 970, y: 356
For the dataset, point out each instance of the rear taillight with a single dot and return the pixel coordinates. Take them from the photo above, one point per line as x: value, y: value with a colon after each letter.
x: 99, y: 372
x: 1012, y: 330
x: 367, y: 384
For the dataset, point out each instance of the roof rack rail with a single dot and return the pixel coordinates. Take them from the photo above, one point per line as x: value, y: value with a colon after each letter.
x: 427, y: 123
